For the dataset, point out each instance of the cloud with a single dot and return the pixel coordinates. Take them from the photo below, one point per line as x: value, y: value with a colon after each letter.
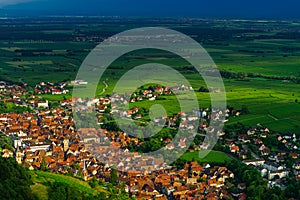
x: 12, y: 2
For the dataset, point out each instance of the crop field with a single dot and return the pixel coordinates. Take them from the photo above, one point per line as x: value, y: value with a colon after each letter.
x: 267, y: 56
x: 34, y: 62
x: 270, y: 103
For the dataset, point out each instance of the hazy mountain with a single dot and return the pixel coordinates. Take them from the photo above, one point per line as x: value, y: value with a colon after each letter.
x: 218, y: 8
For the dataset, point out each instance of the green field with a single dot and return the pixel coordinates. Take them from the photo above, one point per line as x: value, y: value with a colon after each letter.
x: 212, y: 156
x: 269, y: 57
x: 42, y: 179
x: 57, y: 97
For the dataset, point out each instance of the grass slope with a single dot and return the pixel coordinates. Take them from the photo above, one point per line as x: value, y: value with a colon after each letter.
x: 41, y: 177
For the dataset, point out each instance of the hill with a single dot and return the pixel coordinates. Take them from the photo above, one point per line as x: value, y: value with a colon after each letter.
x: 17, y: 182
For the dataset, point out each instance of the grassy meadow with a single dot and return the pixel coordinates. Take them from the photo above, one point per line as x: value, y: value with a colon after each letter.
x: 212, y: 156
x: 41, y: 181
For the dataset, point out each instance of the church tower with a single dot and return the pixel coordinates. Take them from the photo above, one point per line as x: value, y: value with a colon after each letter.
x: 19, y: 156
x: 66, y: 144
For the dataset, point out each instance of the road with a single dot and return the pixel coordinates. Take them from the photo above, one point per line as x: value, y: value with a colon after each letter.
x: 104, y: 89
x: 252, y: 154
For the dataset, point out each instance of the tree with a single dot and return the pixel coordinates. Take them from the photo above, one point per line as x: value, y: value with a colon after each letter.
x: 15, y: 180
x: 271, y: 141
x: 102, y: 196
x: 122, y: 188
x: 241, y: 75
x: 5, y: 142
x: 274, y: 193
x: 245, y: 109
x: 249, y: 154
x: 57, y: 191
x: 203, y: 89
x: 114, y: 180
x: 44, y: 166
x: 93, y: 182
x: 63, y: 191
x: 293, y: 189
x: 257, y: 187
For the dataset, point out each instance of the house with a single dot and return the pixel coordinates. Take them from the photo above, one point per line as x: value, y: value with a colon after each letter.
x: 264, y: 135
x: 251, y: 132
x: 191, y: 181
x: 206, y: 165
x: 243, y: 154
x: 272, y: 166
x: 159, y: 89
x: 242, y: 186
x: 182, y: 145
x: 43, y: 104
x: 244, y: 138
x: 263, y: 171
x: 7, y: 153
x: 242, y: 196
x: 255, y: 162
x: 272, y: 157
x: 234, y: 148
x: 56, y: 91
x: 79, y: 82
x: 38, y: 147
x: 204, y: 146
x: 297, y: 165
x: 265, y: 152
x: 294, y: 155
x: 280, y: 173
x: 192, y: 118
x: 212, y: 182
x: 170, y: 146
x: 262, y: 147
x: 160, y: 197
x: 151, y: 98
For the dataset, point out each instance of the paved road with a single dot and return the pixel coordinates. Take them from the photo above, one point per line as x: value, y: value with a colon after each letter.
x: 252, y: 153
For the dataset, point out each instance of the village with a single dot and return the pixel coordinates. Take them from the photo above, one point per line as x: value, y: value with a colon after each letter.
x: 45, y: 138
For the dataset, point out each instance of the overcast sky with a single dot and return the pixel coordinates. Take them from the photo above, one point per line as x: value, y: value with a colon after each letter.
x: 231, y: 8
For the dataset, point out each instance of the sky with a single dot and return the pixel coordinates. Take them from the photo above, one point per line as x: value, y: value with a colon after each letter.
x: 217, y: 8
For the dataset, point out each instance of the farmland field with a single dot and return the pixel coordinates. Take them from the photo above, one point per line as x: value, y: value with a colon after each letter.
x: 263, y: 52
